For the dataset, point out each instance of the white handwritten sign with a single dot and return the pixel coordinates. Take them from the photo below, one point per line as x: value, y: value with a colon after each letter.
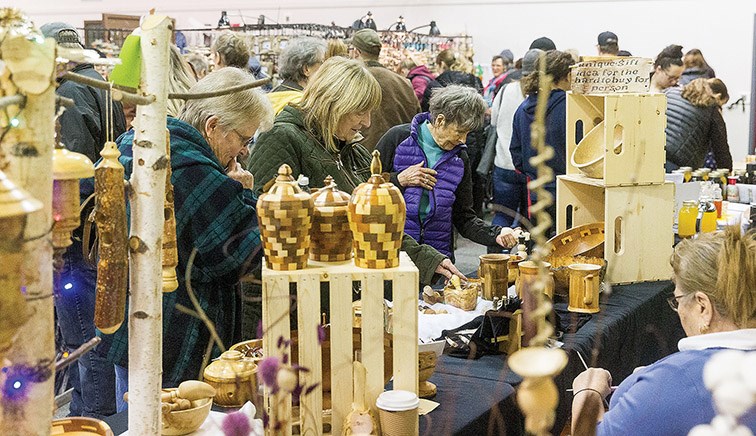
x: 611, y: 75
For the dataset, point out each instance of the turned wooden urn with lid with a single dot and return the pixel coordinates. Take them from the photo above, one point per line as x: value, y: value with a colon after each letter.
x: 331, y: 237
x: 234, y: 378
x: 377, y: 213
x: 285, y: 218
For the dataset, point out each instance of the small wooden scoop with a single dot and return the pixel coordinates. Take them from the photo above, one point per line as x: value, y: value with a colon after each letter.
x: 189, y: 390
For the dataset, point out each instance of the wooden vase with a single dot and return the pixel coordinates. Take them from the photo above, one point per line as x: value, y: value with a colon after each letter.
x: 285, y: 218
x: 331, y: 237
x: 494, y: 271
x: 427, y: 366
x: 377, y: 213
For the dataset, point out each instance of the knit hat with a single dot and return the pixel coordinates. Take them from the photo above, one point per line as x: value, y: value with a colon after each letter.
x: 530, y: 61
x: 63, y: 33
x: 507, y: 54
x: 543, y: 43
x: 606, y: 38
x: 367, y: 41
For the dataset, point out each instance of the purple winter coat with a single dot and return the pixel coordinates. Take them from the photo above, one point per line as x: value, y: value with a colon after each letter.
x: 436, y: 230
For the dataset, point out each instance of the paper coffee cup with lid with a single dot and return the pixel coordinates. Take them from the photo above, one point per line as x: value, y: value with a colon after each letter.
x: 398, y: 413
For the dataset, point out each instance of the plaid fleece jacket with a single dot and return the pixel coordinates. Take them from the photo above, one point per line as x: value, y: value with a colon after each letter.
x: 216, y: 216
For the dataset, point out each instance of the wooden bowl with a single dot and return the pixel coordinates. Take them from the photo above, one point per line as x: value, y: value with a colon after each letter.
x: 588, y: 156
x: 181, y: 422
x: 586, y: 240
x: 80, y: 426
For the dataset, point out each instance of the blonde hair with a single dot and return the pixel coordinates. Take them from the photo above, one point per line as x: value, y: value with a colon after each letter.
x: 234, y: 110
x: 340, y: 87
x: 698, y: 93
x: 721, y: 265
x: 336, y: 47
x: 180, y: 79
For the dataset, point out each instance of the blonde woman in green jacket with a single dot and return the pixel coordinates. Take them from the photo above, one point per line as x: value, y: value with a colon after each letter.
x: 320, y: 137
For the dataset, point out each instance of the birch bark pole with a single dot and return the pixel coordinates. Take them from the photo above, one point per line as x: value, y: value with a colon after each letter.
x: 27, y: 378
x: 145, y: 243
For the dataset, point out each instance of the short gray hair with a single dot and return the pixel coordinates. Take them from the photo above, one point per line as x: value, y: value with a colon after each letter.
x: 233, y: 110
x: 232, y: 49
x: 300, y: 53
x: 460, y: 105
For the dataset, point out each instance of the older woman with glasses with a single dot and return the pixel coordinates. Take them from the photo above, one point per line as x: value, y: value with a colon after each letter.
x: 215, y: 221
x: 428, y: 161
x: 715, y: 297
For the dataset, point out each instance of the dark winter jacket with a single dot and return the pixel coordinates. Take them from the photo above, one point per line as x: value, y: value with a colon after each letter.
x: 691, y: 74
x: 451, y: 200
x: 398, y: 104
x: 83, y: 127
x: 692, y: 131
x: 420, y: 77
x: 216, y: 216
x: 520, y: 146
x: 291, y: 143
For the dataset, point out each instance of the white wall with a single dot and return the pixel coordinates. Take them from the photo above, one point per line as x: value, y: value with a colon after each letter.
x: 723, y: 29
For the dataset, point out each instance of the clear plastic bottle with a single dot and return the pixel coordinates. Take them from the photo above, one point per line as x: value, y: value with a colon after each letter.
x: 732, y: 190
x: 717, y: 200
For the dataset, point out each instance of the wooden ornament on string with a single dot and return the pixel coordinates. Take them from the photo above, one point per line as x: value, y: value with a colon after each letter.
x: 110, y: 216
x: 377, y: 214
x: 285, y: 216
x: 170, y: 249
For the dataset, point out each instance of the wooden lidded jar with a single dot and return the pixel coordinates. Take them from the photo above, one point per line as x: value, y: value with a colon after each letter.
x: 285, y: 218
x: 377, y: 213
x: 331, y: 236
x: 234, y: 378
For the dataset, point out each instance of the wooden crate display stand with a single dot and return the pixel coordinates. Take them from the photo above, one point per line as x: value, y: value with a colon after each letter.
x: 638, y: 224
x: 276, y: 307
x: 636, y: 120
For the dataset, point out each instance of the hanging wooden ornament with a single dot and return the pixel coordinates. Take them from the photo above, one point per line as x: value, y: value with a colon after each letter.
x: 377, y: 213
x: 110, y: 216
x: 68, y: 168
x: 170, y: 249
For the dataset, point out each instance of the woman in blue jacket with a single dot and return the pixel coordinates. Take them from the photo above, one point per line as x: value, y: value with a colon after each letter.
x: 558, y: 67
x: 715, y: 297
x: 428, y: 161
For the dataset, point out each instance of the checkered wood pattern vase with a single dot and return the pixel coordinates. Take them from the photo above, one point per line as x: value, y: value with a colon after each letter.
x: 331, y: 237
x: 377, y: 213
x: 285, y: 217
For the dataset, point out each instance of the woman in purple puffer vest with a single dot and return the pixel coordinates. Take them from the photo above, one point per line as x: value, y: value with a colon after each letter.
x: 428, y: 161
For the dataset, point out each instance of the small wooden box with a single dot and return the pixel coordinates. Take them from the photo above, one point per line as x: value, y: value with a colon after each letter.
x: 637, y: 121
x: 638, y: 224
x: 276, y: 308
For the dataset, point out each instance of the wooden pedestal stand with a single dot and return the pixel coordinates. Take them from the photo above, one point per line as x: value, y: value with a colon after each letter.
x: 276, y: 308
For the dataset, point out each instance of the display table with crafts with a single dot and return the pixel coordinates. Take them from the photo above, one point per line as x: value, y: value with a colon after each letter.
x: 635, y: 327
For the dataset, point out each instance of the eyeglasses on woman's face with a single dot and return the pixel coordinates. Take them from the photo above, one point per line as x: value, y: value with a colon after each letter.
x: 674, y: 301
